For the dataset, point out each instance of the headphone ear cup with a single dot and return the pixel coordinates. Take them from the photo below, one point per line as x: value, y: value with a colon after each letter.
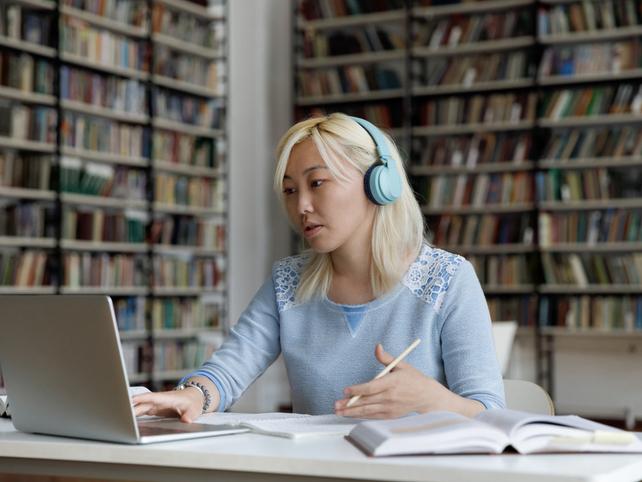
x: 368, y: 183
x: 382, y: 185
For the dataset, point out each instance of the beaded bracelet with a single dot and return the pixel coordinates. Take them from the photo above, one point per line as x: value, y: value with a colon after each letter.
x: 207, y: 397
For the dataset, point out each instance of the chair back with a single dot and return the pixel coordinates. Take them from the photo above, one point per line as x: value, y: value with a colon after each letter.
x: 504, y: 335
x: 527, y: 397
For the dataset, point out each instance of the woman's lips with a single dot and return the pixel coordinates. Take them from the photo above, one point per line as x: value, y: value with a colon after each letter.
x: 312, y: 231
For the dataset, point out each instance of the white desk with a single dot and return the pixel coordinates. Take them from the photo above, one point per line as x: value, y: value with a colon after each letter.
x: 250, y: 457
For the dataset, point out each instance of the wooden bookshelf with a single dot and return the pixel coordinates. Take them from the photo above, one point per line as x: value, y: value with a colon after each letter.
x: 431, y: 74
x: 135, y: 214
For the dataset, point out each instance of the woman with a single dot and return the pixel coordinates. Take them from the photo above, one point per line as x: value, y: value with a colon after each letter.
x: 369, y: 279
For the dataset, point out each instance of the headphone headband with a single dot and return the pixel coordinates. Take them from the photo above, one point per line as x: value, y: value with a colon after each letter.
x: 381, y: 182
x: 380, y: 141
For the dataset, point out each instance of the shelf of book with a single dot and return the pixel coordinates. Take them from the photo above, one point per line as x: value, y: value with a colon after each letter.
x: 194, y: 9
x: 127, y: 335
x: 353, y: 20
x: 25, y: 96
x: 588, y: 163
x: 22, y: 193
x: 187, y: 169
x: 506, y: 248
x: 188, y: 210
x: 186, y: 128
x: 186, y: 291
x: 601, y: 247
x: 472, y: 128
x: 84, y: 108
x: 507, y: 166
x: 25, y: 46
x: 472, y: 87
x: 474, y: 48
x: 79, y: 245
x: 481, y: 209
x: 74, y: 59
x: 386, y: 94
x: 100, y: 21
x: 194, y: 250
x: 168, y: 334
x: 609, y: 289
x: 27, y: 290
x: 352, y: 59
x: 593, y: 120
x: 105, y: 290
x: 591, y: 77
x: 187, y: 47
x: 25, y: 242
x: 106, y: 157
x: 468, y: 7
x: 38, y: 4
x: 591, y: 36
x: 590, y: 204
x: 591, y: 332
x: 184, y: 86
x: 26, y: 145
x: 102, y: 201
x: 120, y: 89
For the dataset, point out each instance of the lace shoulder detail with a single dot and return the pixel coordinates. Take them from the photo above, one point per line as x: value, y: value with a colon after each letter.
x: 430, y: 275
x: 286, y: 274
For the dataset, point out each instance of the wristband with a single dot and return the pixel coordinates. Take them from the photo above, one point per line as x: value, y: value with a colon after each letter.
x: 207, y: 397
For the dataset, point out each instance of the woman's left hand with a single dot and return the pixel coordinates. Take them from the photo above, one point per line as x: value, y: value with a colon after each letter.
x: 404, y: 390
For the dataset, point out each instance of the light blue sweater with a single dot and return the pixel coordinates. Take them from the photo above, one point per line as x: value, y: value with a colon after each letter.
x: 327, y: 346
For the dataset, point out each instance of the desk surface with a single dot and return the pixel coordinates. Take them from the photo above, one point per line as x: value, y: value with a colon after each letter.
x: 258, y: 457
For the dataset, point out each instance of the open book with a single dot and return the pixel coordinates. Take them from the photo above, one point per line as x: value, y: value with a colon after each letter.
x: 290, y: 425
x: 492, y: 431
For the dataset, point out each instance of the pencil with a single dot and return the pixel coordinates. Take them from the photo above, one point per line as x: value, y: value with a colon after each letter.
x: 388, y: 368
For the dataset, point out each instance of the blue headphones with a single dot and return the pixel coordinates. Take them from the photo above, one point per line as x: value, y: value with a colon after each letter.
x: 381, y: 182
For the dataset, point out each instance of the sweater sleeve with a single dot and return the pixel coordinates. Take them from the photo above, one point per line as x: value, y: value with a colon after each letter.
x: 252, y: 346
x: 468, y: 350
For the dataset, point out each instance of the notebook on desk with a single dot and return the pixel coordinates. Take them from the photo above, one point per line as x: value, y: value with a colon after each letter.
x: 64, y: 372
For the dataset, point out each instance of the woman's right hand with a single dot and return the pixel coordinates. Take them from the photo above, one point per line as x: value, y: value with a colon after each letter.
x: 186, y: 404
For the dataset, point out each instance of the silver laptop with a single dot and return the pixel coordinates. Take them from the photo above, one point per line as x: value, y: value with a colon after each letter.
x: 64, y: 373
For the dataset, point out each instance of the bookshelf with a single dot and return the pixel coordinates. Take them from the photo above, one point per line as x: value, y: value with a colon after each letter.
x: 113, y: 168
x: 521, y: 121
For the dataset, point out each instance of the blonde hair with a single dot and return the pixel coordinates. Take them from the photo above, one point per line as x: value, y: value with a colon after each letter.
x: 398, y: 229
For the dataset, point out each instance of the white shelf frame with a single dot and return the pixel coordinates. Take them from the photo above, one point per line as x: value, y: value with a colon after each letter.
x: 122, y: 116
x: 513, y: 43
x: 185, y: 47
x: 102, y: 201
x: 187, y: 169
x: 27, y: 97
x: 30, y: 47
x: 105, y: 157
x: 486, y: 208
x: 353, y: 20
x: 352, y: 59
x: 109, y: 69
x: 508, y: 166
x: 104, y: 22
x: 109, y: 246
x: 27, y: 145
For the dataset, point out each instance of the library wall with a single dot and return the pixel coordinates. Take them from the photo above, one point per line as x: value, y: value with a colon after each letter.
x: 259, y: 115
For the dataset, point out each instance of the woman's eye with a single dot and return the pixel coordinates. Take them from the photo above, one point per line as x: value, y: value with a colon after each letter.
x: 317, y: 183
x: 288, y: 190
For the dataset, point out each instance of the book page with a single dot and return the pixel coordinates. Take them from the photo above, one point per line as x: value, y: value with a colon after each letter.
x: 231, y: 418
x: 306, y: 426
